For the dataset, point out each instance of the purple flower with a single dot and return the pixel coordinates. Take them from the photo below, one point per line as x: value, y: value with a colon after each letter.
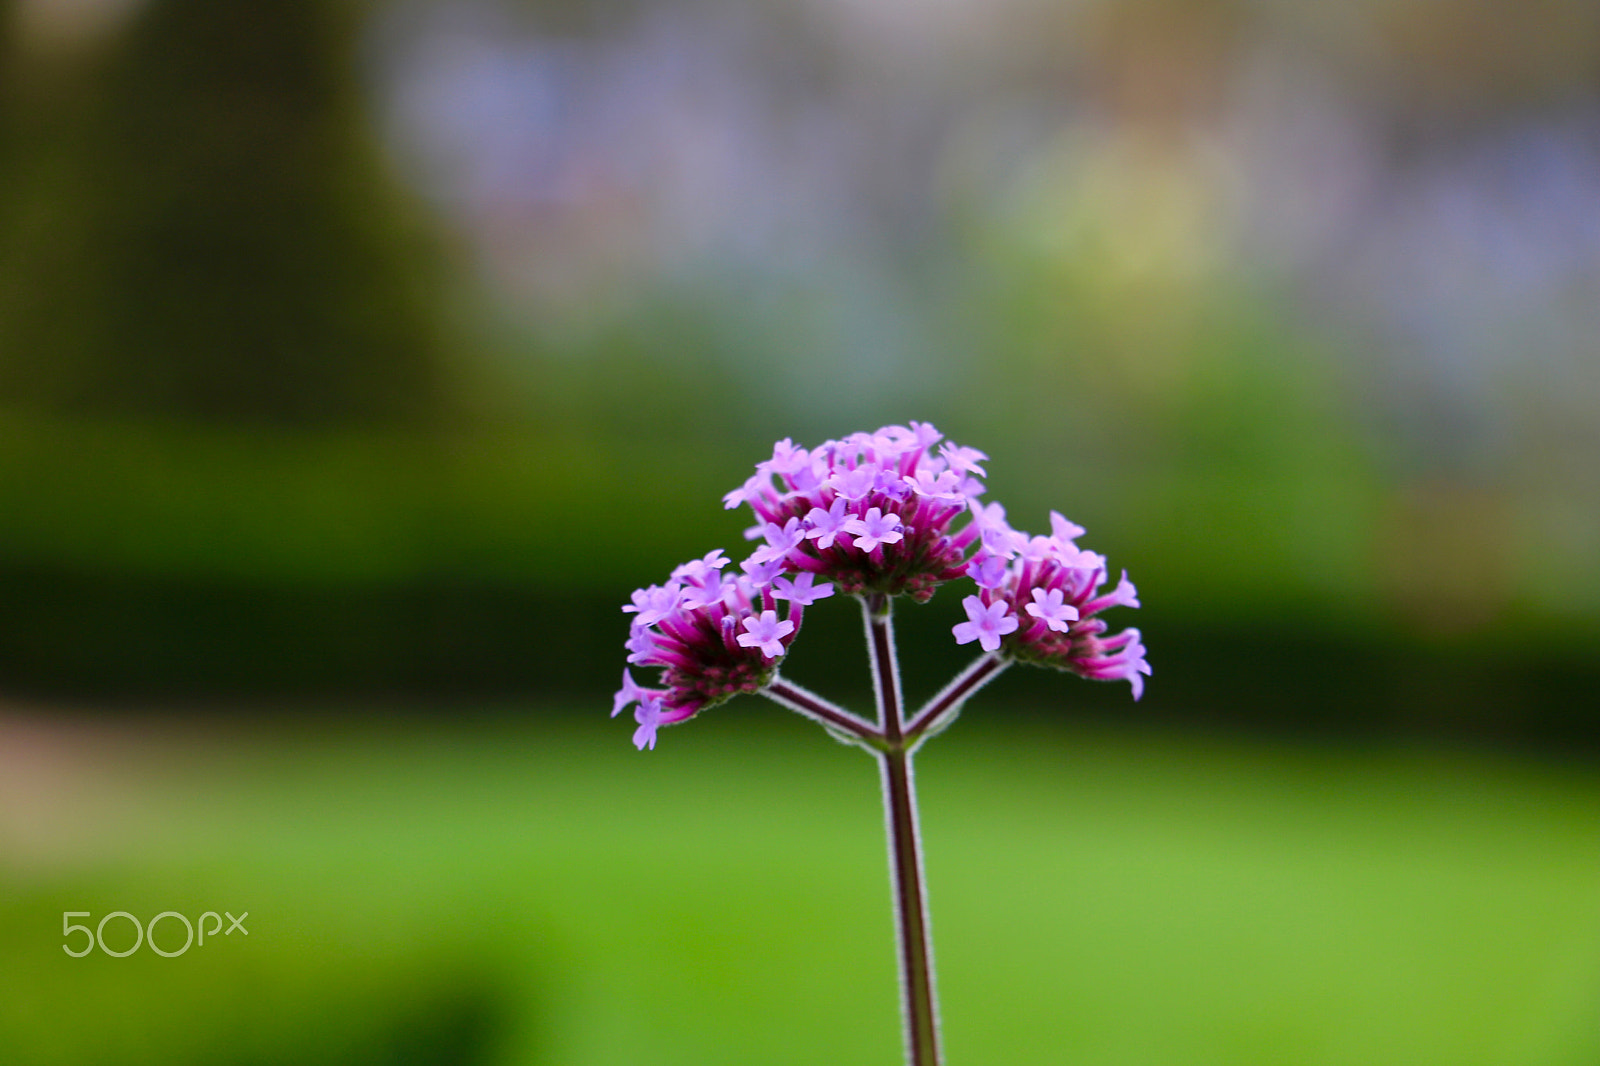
x: 989, y: 571
x: 780, y: 539
x: 873, y: 529
x: 877, y: 510
x: 825, y: 525
x: 892, y: 485
x: 1047, y: 606
x: 703, y: 595
x: 998, y: 536
x: 985, y: 624
x: 800, y: 590
x: 719, y: 637
x: 942, y: 486
x: 649, y: 718
x: 765, y: 633
x: 747, y: 492
x: 1124, y: 595
x: 762, y: 568
x: 786, y: 459
x: 1118, y: 658
x: 641, y: 644
x: 856, y: 483
x: 629, y: 692
x: 895, y: 440
x: 1064, y: 531
x: 655, y: 602
x: 700, y: 569
x: 1057, y: 584
x: 963, y: 460
x: 872, y: 515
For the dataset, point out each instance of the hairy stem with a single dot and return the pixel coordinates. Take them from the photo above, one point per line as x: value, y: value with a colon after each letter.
x: 919, y: 1010
x: 813, y: 706
x: 940, y: 711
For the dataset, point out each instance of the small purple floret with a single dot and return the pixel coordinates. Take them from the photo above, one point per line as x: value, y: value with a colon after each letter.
x: 985, y: 624
x: 1048, y: 608
x: 800, y: 590
x: 764, y: 633
x: 874, y: 528
x: 649, y: 718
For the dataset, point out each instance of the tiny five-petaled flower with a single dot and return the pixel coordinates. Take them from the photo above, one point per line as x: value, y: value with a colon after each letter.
x: 985, y: 624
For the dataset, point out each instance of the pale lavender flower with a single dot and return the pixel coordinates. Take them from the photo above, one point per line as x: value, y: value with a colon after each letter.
x: 855, y: 483
x: 762, y: 568
x: 649, y: 718
x: 826, y: 525
x: 765, y: 633
x: 941, y: 486
x: 787, y: 458
x: 963, y: 460
x: 698, y: 569
x: 985, y: 624
x: 1064, y: 531
x: 997, y: 535
x: 874, y: 528
x: 656, y: 602
x: 782, y: 538
x: 705, y: 585
x: 1049, y: 608
x: 989, y: 571
x: 800, y: 590
x: 629, y: 692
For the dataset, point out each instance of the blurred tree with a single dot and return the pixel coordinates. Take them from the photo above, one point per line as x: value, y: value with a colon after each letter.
x: 197, y: 226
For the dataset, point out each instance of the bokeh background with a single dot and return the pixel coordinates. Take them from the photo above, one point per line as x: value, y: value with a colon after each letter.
x: 358, y: 357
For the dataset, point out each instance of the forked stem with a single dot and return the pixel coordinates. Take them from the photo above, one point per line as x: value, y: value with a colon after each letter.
x: 919, y: 1001
x: 829, y: 714
x: 939, y: 712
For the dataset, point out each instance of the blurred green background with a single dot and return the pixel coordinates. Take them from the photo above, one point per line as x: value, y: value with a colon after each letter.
x: 358, y: 358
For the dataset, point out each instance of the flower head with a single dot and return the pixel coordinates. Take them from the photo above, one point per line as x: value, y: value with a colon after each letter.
x: 895, y: 512
x: 870, y: 513
x: 713, y: 635
x: 1050, y: 593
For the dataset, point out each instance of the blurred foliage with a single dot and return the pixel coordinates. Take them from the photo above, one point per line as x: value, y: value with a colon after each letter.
x: 195, y: 223
x: 269, y: 426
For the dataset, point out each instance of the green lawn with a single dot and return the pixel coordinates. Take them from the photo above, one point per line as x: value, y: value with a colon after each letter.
x: 535, y: 891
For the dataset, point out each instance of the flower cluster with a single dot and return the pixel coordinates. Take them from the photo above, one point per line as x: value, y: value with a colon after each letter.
x: 714, y: 635
x: 872, y: 513
x: 1037, y: 600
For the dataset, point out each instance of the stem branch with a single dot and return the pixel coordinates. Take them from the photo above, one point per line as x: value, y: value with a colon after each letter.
x: 831, y: 715
x: 940, y: 711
